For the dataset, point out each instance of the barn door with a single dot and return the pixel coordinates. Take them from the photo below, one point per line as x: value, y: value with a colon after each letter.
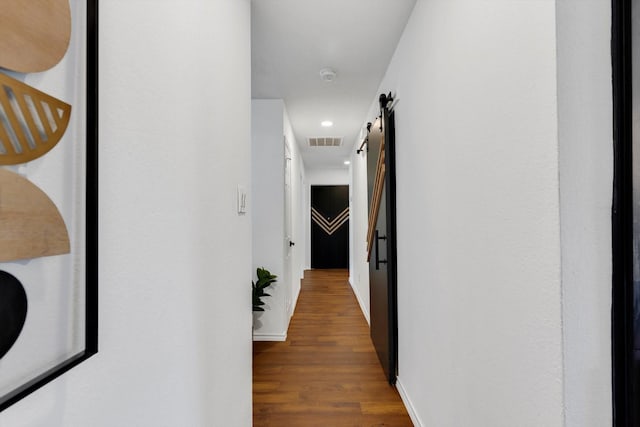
x: 381, y: 240
x: 626, y: 213
x: 330, y: 226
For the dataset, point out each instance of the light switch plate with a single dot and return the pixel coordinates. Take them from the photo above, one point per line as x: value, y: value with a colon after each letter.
x: 242, y: 199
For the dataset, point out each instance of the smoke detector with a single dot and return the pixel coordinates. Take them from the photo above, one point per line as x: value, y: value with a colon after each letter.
x: 327, y: 74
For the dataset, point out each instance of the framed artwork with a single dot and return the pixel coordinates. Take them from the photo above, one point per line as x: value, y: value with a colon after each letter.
x: 48, y: 191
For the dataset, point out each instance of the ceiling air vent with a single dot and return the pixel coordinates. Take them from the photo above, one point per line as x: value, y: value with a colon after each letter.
x: 325, y: 142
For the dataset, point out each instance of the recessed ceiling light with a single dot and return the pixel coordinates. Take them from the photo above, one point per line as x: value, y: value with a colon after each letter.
x: 326, y: 124
x: 347, y: 162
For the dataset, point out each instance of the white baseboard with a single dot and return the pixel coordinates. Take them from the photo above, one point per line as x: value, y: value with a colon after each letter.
x: 257, y: 336
x: 363, y: 308
x: 408, y: 404
x: 294, y: 303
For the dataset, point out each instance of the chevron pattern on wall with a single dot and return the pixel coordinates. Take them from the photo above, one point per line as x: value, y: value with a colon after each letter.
x: 332, y: 226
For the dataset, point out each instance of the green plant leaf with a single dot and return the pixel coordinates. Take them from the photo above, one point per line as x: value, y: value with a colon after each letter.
x: 265, y: 279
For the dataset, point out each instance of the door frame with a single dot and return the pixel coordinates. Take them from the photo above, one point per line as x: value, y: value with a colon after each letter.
x: 392, y: 235
x: 309, y: 220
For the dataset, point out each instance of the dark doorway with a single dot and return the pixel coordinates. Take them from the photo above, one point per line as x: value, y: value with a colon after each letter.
x: 329, y: 226
x: 626, y: 213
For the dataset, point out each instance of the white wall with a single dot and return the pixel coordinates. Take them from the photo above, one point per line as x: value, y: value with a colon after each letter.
x: 175, y: 318
x: 479, y: 277
x: 338, y: 176
x: 297, y: 213
x: 359, y: 210
x: 586, y: 162
x: 267, y: 191
x: 270, y: 123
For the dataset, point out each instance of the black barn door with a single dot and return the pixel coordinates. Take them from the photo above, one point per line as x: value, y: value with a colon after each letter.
x: 382, y: 261
x: 330, y: 226
x: 626, y: 213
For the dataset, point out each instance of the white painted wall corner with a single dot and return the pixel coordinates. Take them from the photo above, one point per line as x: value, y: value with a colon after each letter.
x: 363, y: 307
x: 417, y: 422
x: 257, y: 336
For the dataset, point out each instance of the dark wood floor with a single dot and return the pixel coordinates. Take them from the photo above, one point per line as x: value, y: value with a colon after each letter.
x: 326, y: 373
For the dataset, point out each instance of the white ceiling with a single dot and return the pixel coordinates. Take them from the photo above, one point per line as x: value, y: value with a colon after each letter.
x: 292, y: 40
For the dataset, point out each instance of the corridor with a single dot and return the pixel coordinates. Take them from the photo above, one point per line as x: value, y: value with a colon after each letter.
x: 327, y: 372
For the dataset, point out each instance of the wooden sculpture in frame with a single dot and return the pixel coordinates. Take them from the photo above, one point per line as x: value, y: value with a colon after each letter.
x: 34, y: 35
x: 48, y: 190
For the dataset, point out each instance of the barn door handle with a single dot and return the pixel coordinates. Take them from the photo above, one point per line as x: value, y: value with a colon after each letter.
x: 378, y: 260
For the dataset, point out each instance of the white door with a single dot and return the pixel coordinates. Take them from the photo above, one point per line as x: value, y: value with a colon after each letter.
x: 288, y: 243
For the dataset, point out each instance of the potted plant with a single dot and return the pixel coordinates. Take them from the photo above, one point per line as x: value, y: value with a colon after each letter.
x: 265, y: 279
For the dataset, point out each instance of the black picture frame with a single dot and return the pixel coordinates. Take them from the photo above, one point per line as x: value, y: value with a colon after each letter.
x: 91, y: 223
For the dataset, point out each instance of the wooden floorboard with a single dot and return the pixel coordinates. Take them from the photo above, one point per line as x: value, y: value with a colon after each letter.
x: 327, y: 372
